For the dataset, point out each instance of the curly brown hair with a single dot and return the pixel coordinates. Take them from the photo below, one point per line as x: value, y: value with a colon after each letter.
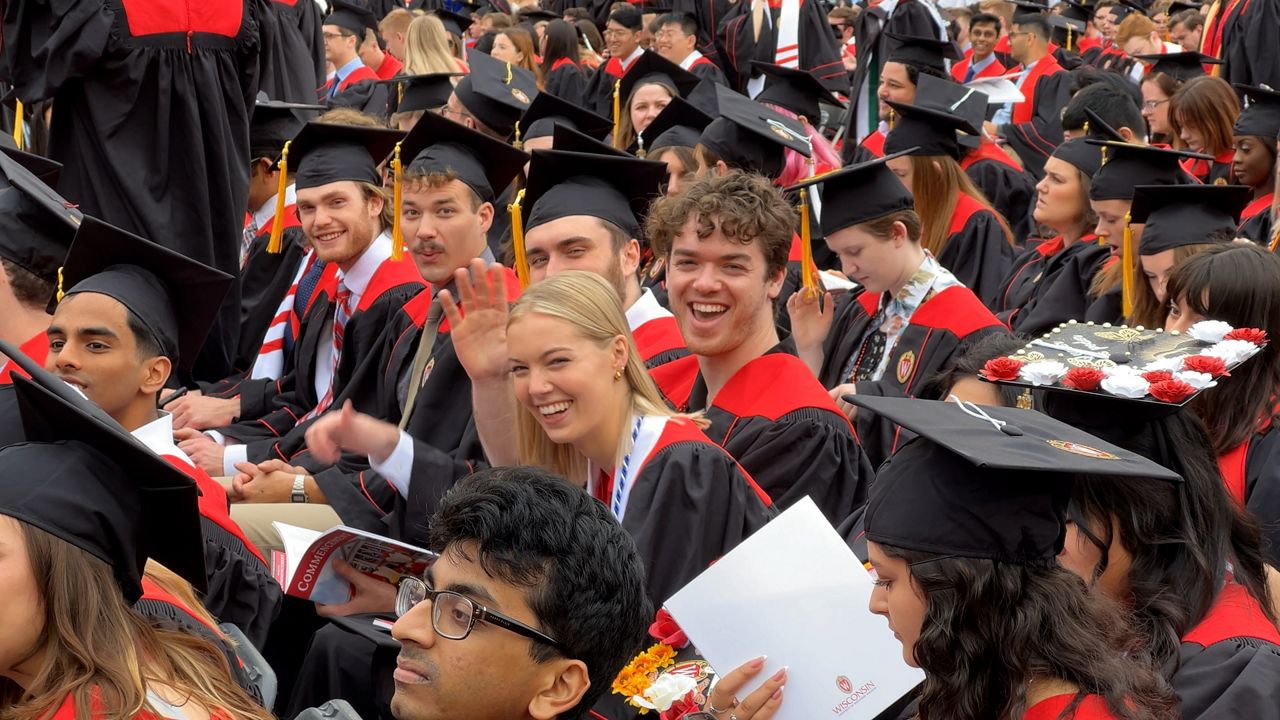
x: 745, y: 207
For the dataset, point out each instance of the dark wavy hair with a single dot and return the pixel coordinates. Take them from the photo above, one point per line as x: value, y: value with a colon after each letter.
x: 561, y: 43
x: 1183, y: 538
x: 990, y: 628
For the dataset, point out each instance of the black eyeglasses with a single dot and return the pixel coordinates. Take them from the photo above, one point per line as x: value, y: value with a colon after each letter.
x: 453, y: 615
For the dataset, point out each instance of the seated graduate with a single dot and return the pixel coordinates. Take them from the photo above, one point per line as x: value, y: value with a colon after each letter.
x: 562, y: 72
x: 910, y: 321
x: 1183, y: 559
x: 1202, y: 114
x: 645, y: 90
x: 672, y: 138
x: 535, y: 130
x: 726, y: 241
x: 910, y: 58
x: 132, y: 310
x: 677, y: 41
x: 353, y: 84
x: 414, y: 95
x: 961, y: 229
x: 1254, y: 163
x: 1239, y: 285
x: 75, y: 546
x: 962, y: 589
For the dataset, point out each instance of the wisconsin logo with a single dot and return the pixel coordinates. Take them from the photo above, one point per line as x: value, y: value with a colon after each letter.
x: 1082, y: 450
x: 845, y: 685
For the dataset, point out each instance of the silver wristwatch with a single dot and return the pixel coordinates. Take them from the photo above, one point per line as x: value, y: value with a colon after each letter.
x: 299, y: 493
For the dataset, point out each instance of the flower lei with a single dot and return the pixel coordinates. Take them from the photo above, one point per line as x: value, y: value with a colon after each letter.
x: 639, y: 674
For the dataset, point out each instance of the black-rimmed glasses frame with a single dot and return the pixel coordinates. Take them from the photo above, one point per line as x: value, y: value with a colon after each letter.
x: 412, y: 591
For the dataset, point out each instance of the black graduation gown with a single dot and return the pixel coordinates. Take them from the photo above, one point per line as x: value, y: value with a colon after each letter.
x: 1010, y: 189
x: 1229, y: 663
x: 598, y: 94
x: 1033, y: 142
x: 152, y: 120
x: 499, y: 236
x: 297, y: 65
x: 264, y: 281
x: 817, y: 47
x: 1258, y: 486
x: 1249, y: 43
x: 1036, y: 272
x: 567, y: 82
x: 778, y: 422
x: 935, y: 337
x: 1257, y: 228
x: 11, y: 431
x: 707, y: 71
x: 976, y: 251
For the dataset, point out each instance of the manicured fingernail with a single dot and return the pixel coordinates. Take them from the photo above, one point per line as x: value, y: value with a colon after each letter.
x: 781, y: 673
x: 777, y: 694
x: 757, y: 663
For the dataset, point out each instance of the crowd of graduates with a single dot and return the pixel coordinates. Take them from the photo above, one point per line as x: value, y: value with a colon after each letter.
x: 581, y: 294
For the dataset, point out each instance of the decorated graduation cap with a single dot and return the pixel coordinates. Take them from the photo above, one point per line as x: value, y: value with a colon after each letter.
x: 1010, y: 470
x: 923, y: 51
x: 1261, y: 117
x: 99, y: 488
x: 796, y: 90
x: 496, y: 92
x: 651, y: 67
x: 1175, y: 216
x: 175, y: 297
x: 1129, y: 165
x: 680, y: 124
x: 859, y: 193
x: 454, y: 23
x: 616, y: 189
x: 274, y: 123
x: 752, y: 137
x: 36, y: 224
x: 548, y: 111
x: 414, y: 93
x: 1181, y: 66
x: 926, y: 130
x: 353, y: 16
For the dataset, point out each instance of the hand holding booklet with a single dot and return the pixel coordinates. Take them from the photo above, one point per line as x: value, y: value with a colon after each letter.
x: 305, y: 568
x: 795, y: 593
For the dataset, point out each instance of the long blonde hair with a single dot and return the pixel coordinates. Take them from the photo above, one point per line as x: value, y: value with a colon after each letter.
x: 426, y: 48
x: 589, y: 303
x: 103, y: 654
x: 935, y: 180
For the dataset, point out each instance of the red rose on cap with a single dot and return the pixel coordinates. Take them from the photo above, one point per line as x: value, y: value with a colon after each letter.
x: 665, y: 630
x: 1253, y: 335
x: 1206, y: 364
x: 1156, y: 376
x: 1002, y: 368
x: 1171, y: 391
x: 1083, y: 378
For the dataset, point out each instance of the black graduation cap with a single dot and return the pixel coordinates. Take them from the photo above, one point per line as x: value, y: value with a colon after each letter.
x: 175, y: 297
x: 274, y: 123
x: 1098, y: 128
x: 923, y: 51
x: 1084, y: 156
x: 536, y: 15
x: 36, y: 224
x: 752, y: 136
x: 796, y: 90
x: 353, y: 16
x: 1124, y: 7
x: 1077, y: 10
x: 566, y: 138
x: 1066, y: 31
x: 928, y: 131
x: 324, y: 153
x: 1178, y: 215
x: 1178, y: 6
x: 951, y: 97
x: 454, y: 23
x: 497, y: 93
x: 680, y: 124
x: 859, y: 193
x: 1261, y: 117
x: 548, y: 111
x: 1128, y: 165
x: 651, y: 67
x: 99, y: 488
x: 415, y: 93
x: 989, y: 483
x: 436, y: 144
x: 612, y: 188
x: 1181, y: 66
x: 1024, y: 8
x: 46, y: 171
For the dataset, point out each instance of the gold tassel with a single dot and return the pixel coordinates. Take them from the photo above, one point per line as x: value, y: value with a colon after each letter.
x: 61, y: 294
x: 640, y: 151
x: 17, y: 124
x: 809, y: 277
x: 397, y: 233
x: 1070, y: 47
x: 891, y: 117
x: 399, y: 94
x: 274, y: 245
x: 1128, y: 251
x: 517, y: 240
x: 617, y: 114
x: 1275, y: 238
x: 517, y: 143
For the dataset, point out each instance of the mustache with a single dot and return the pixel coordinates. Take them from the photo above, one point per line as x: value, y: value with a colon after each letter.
x: 419, y: 658
x: 430, y: 246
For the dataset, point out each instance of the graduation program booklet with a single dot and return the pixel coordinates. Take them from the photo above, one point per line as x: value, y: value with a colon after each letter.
x: 797, y: 594
x: 305, y: 569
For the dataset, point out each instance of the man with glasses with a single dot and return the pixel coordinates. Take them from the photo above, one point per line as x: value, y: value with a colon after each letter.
x: 622, y: 38
x: 342, y: 32
x: 677, y: 41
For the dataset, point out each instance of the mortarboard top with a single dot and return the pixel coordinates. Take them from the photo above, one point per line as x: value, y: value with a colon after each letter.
x: 454, y: 23
x: 497, y: 93
x: 1075, y: 10
x: 415, y: 93
x: 566, y: 138
x: 859, y: 193
x: 1178, y: 215
x: 1099, y: 128
x: 989, y: 483
x: 922, y: 51
x: 680, y: 124
x: 175, y: 297
x: 36, y: 224
x: 956, y: 99
x: 1082, y: 155
x: 324, y: 153
x: 100, y: 489
x: 275, y: 122
x: 751, y: 136
x: 536, y: 15
x: 46, y: 171
x: 612, y: 188
x: 1128, y: 165
x: 1066, y: 31
x: 353, y: 16
x: 1025, y: 8
x: 926, y: 130
x: 1181, y: 66
x: 651, y: 67
x: 548, y: 111
x: 1125, y: 7
x: 796, y: 90
x: 1261, y: 117
x: 437, y: 144
x: 1178, y: 6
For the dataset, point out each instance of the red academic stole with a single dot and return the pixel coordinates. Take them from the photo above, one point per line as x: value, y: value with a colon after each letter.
x: 960, y: 69
x: 657, y: 336
x: 37, y: 348
x: 966, y: 207
x: 1047, y: 65
x: 1256, y: 207
x: 874, y: 143
x: 988, y: 150
x: 1234, y: 614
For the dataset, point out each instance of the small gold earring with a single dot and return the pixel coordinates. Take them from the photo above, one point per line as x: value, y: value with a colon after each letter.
x: 617, y: 374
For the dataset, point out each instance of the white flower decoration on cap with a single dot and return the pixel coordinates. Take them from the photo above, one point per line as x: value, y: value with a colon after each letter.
x: 1123, y: 370
x: 1042, y: 372
x: 1126, y: 386
x: 1233, y: 352
x: 1172, y: 364
x: 1210, y: 331
x: 665, y: 691
x: 1197, y: 380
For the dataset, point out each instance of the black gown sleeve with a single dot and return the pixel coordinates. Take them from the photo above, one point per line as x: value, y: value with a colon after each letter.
x: 1063, y: 295
x: 1257, y: 228
x: 1249, y: 45
x: 291, y: 73
x: 568, y: 83
x: 1012, y: 193
x: 1234, y: 678
x: 1034, y: 141
x: 1262, y: 489
x: 979, y: 256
